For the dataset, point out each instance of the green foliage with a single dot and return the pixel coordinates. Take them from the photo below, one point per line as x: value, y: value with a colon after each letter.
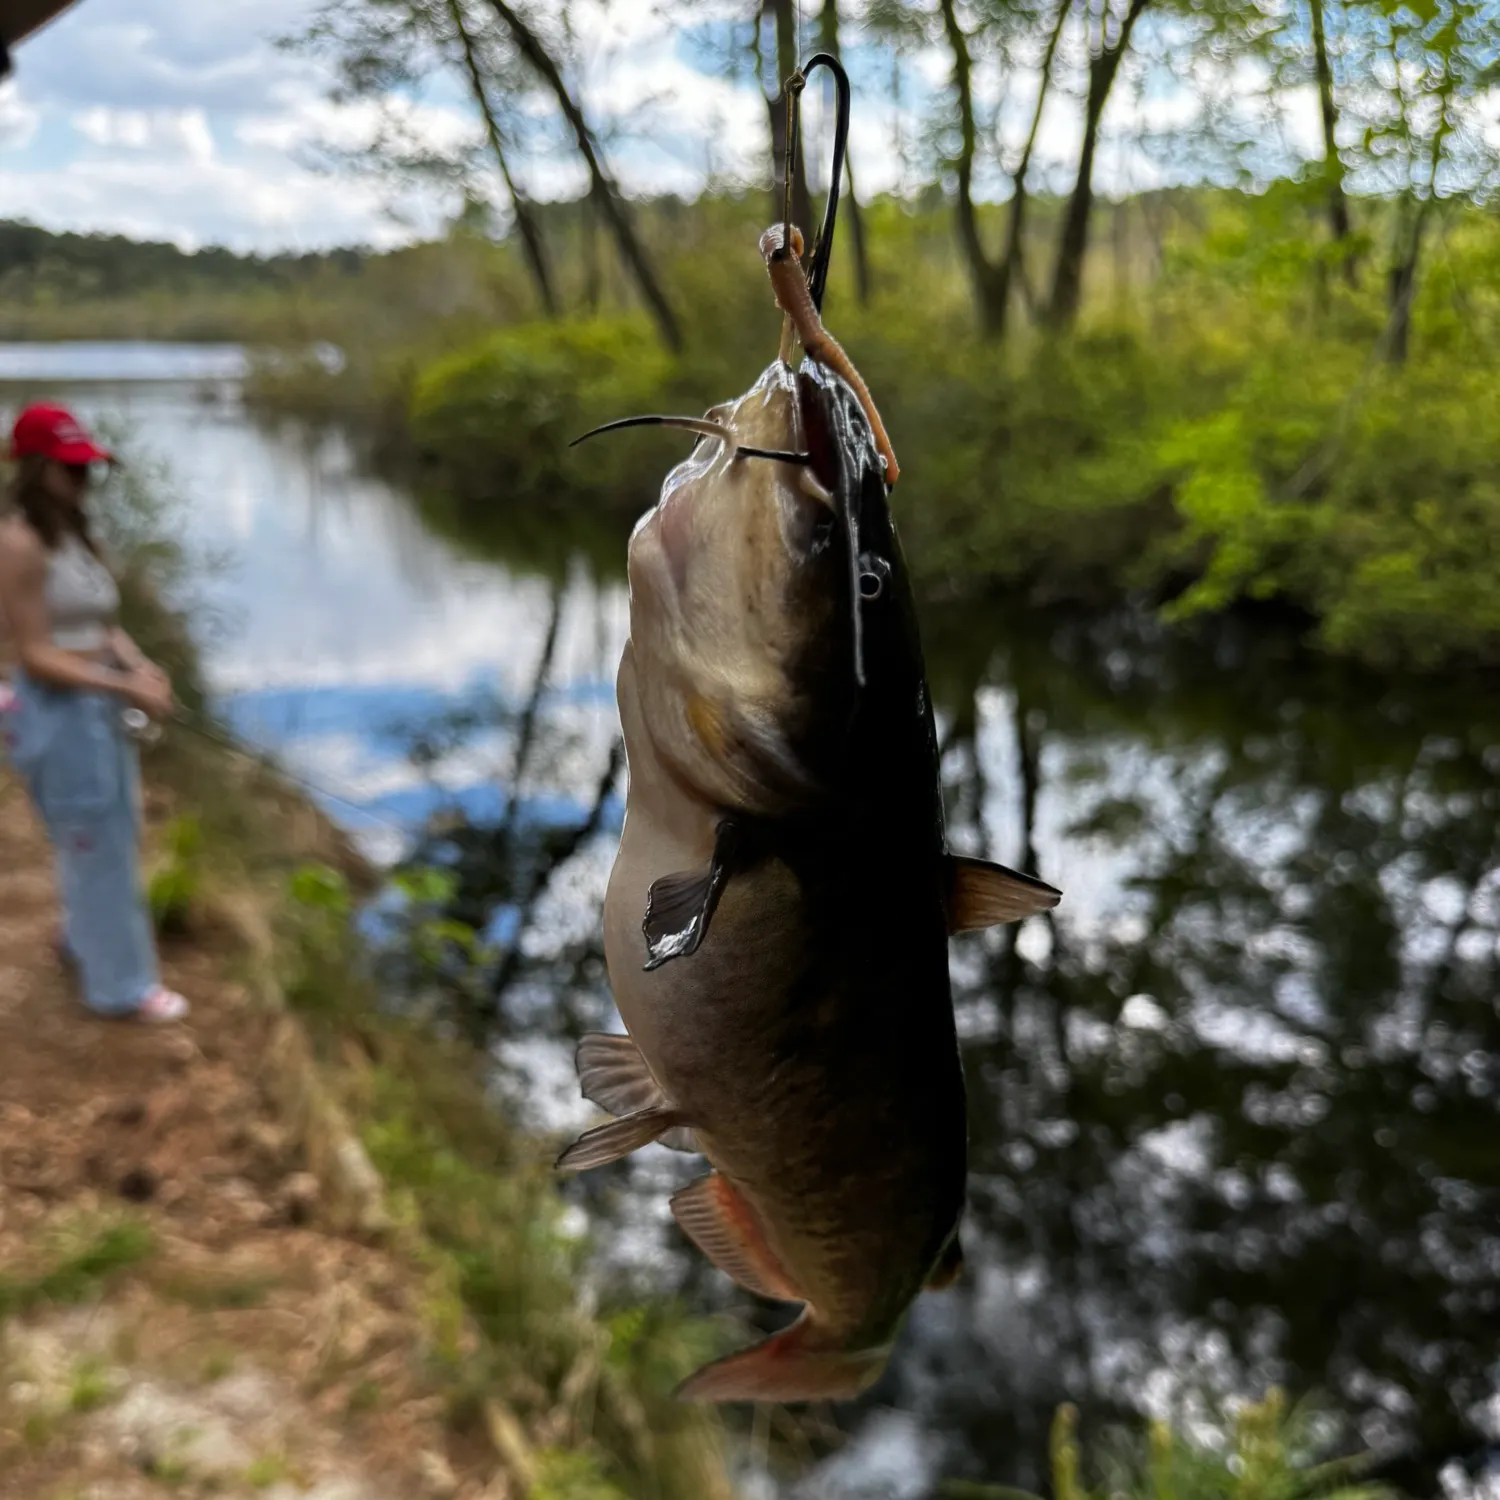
x: 1231, y: 435
x: 571, y: 1476
x: 1262, y: 1452
x: 500, y: 414
x: 504, y: 1261
x: 90, y: 1386
x: 84, y: 1256
x: 176, y: 885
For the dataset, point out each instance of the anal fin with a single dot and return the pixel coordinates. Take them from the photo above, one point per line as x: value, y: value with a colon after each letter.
x: 722, y: 1225
x: 789, y: 1366
x: 613, y: 1074
x: 607, y: 1143
x: 680, y: 906
x: 982, y: 894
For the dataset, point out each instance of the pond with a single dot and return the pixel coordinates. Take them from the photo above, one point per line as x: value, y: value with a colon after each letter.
x: 1235, y: 1111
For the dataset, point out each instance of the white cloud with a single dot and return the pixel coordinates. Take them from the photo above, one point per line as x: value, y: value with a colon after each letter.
x: 171, y: 132
x: 313, y: 119
x: 196, y: 202
x: 18, y: 118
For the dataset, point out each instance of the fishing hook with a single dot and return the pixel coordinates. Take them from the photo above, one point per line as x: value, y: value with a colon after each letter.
x: 817, y: 267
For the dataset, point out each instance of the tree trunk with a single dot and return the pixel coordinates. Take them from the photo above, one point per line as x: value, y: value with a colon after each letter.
x: 530, y: 47
x: 1403, y: 284
x: 532, y: 244
x: 592, y: 279
x: 785, y: 12
x: 1067, y: 278
x: 989, y: 285
x: 1333, y: 167
x: 1403, y: 290
x: 1012, y: 262
x: 828, y: 28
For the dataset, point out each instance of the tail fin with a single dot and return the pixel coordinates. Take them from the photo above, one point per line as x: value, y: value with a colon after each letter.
x: 793, y: 1365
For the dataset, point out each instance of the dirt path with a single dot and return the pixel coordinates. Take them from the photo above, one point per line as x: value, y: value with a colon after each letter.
x: 172, y: 1319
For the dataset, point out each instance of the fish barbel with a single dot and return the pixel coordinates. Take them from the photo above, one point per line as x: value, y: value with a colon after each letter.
x: 777, y: 917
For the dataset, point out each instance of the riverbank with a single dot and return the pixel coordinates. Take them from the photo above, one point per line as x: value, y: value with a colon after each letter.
x: 288, y: 1248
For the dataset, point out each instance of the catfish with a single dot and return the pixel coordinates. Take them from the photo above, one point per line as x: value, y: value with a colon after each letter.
x: 777, y: 917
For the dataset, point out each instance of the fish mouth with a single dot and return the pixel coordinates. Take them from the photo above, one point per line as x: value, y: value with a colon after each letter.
x: 762, y: 428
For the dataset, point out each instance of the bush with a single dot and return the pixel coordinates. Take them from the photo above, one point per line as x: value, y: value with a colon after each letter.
x: 500, y: 414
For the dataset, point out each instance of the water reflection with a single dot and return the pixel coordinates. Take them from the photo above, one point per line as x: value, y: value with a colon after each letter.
x: 1235, y: 1112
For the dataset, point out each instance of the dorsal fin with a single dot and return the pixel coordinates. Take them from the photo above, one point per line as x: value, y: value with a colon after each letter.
x: 983, y: 894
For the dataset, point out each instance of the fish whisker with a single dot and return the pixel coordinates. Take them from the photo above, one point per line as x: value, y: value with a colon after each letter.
x: 701, y: 425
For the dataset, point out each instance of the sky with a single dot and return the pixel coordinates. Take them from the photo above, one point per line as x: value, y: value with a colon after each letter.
x: 163, y: 120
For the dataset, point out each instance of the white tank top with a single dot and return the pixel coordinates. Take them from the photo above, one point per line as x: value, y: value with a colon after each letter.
x: 82, y: 597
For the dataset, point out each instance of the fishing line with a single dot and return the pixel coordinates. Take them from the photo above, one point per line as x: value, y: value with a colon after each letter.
x: 187, y: 719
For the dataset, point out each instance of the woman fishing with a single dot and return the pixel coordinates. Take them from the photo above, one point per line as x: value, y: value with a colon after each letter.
x: 76, y: 672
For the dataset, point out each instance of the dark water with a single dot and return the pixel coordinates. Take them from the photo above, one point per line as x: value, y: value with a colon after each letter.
x: 1235, y: 1112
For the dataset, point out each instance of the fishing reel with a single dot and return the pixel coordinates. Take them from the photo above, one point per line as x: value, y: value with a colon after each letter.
x: 139, y: 726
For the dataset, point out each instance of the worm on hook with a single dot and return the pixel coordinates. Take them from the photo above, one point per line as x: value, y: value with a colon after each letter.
x: 793, y: 298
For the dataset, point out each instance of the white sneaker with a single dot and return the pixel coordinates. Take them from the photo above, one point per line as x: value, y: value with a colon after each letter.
x: 160, y: 1006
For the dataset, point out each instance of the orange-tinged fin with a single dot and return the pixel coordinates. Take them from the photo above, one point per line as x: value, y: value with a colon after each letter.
x: 607, y: 1143
x: 788, y: 1366
x: 949, y: 1267
x: 614, y: 1075
x: 723, y: 1226
x: 981, y: 894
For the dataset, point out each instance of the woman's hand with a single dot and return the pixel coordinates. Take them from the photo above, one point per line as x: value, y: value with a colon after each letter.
x: 148, y: 689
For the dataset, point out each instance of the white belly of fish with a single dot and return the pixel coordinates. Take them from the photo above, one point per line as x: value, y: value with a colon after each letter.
x: 665, y: 830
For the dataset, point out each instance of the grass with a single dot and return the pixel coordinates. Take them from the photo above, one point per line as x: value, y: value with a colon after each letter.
x: 212, y: 1292
x: 479, y: 1202
x: 269, y: 1469
x: 1263, y: 1450
x: 78, y: 1272
x: 90, y: 1387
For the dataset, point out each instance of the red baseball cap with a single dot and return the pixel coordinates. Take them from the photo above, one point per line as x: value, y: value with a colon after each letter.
x: 53, y: 432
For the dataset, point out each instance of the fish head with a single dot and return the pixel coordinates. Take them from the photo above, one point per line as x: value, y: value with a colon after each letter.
x: 740, y: 613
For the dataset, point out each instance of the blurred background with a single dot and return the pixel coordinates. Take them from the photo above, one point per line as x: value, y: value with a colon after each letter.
x: 1183, y: 317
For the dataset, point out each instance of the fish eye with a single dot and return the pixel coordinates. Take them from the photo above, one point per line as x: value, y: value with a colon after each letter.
x: 873, y: 573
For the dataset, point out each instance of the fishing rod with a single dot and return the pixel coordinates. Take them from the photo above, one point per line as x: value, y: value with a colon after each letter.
x: 141, y: 728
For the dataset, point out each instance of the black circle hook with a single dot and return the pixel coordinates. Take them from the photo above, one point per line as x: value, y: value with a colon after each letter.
x: 817, y: 267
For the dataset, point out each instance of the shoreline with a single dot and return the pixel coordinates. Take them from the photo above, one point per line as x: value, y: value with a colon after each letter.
x: 275, y: 1129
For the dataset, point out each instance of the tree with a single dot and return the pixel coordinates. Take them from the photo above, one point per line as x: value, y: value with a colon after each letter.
x: 530, y: 46
x: 1338, y: 204
x: 989, y: 278
x: 1108, y: 39
x: 379, y: 47
x: 1425, y: 69
x: 828, y: 38
x: 526, y: 223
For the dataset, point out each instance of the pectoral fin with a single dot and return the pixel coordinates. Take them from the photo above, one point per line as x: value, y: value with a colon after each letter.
x: 614, y: 1075
x: 791, y: 1365
x: 949, y: 1267
x: 981, y: 894
x: 679, y: 907
x: 607, y: 1143
x: 722, y: 1225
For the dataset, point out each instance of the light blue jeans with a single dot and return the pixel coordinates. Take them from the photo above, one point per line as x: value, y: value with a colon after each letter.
x: 83, y: 775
